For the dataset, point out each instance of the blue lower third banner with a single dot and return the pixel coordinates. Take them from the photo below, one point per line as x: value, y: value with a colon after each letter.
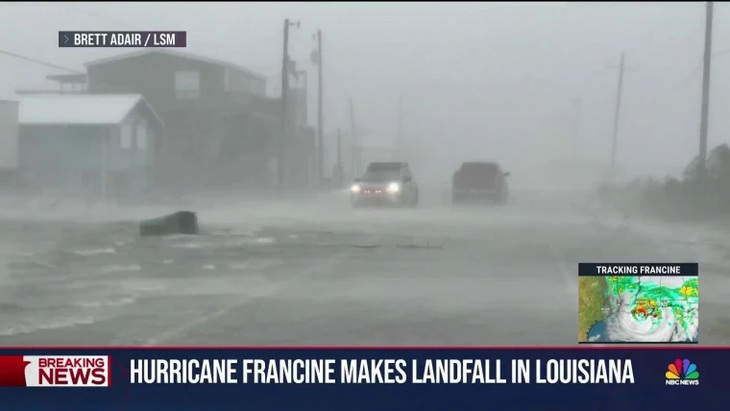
x: 575, y: 378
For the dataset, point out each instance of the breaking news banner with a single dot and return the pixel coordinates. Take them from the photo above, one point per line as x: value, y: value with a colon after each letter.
x: 122, y: 38
x: 494, y: 378
x: 638, y: 303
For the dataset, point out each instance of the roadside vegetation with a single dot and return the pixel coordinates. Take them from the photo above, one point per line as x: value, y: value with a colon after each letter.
x: 684, y: 199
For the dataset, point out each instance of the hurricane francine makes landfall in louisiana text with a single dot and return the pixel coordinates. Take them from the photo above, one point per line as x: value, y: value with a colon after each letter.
x: 381, y: 371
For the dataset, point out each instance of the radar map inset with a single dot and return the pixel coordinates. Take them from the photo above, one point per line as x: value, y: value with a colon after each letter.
x: 638, y: 309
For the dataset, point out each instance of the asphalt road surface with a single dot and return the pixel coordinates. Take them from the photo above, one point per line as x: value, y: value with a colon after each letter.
x: 314, y: 272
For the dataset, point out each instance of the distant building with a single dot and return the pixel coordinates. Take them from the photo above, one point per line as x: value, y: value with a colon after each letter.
x: 95, y: 145
x: 8, y: 135
x: 170, y: 76
x: 9, y: 175
x: 67, y: 84
x: 221, y: 129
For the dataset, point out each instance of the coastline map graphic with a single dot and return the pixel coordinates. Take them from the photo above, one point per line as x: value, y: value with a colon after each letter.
x: 638, y: 309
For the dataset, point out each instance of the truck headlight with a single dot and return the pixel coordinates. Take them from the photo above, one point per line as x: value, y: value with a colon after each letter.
x: 393, y: 188
x: 355, y: 188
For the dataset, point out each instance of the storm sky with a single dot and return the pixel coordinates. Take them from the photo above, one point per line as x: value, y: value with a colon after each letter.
x: 478, y: 80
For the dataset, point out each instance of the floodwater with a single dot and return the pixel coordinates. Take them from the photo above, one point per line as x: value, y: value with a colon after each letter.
x: 311, y: 271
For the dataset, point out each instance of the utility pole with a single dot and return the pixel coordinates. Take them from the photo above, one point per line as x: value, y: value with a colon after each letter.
x: 616, y: 114
x: 305, y: 98
x: 705, y: 93
x: 285, y: 72
x: 577, y: 103
x: 338, y: 167
x: 317, y: 59
x: 399, y: 135
x: 356, y: 161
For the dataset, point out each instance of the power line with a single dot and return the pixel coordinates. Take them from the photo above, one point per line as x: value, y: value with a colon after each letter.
x: 56, y: 66
x: 685, y: 80
x: 675, y: 87
x: 102, y: 17
x: 698, y: 68
x: 99, y: 16
x: 206, y: 44
x: 43, y: 63
x: 32, y: 60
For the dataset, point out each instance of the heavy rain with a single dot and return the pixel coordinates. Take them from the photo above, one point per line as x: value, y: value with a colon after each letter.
x: 354, y: 173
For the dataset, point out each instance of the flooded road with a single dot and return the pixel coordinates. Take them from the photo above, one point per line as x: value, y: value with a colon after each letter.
x: 311, y: 271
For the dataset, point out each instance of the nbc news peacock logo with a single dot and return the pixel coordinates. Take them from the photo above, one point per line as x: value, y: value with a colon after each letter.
x: 682, y: 372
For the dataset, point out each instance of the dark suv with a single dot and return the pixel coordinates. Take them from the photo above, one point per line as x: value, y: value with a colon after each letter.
x: 479, y: 181
x: 385, y: 184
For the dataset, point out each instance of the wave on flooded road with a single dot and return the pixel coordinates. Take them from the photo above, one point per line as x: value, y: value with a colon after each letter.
x: 63, y: 274
x: 94, y: 251
x: 30, y: 325
x: 114, y: 302
x: 57, y: 275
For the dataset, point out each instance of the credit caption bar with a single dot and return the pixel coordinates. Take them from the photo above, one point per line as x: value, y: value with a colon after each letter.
x: 151, y: 39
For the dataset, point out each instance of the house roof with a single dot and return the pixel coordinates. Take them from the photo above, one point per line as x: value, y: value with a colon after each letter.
x: 80, y: 109
x: 67, y: 78
x: 8, y: 94
x: 176, y: 54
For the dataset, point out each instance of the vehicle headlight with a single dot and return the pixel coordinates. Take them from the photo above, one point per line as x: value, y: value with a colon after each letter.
x: 393, y: 188
x: 355, y: 188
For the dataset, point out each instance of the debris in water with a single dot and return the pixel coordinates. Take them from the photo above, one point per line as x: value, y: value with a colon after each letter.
x: 426, y: 246
x: 410, y: 246
x: 181, y: 222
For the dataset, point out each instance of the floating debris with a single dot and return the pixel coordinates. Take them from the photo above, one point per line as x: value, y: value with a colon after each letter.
x: 426, y: 246
x: 409, y: 246
x: 182, y: 222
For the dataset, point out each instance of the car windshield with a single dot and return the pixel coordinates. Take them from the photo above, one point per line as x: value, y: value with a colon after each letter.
x: 482, y: 169
x: 381, y: 176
